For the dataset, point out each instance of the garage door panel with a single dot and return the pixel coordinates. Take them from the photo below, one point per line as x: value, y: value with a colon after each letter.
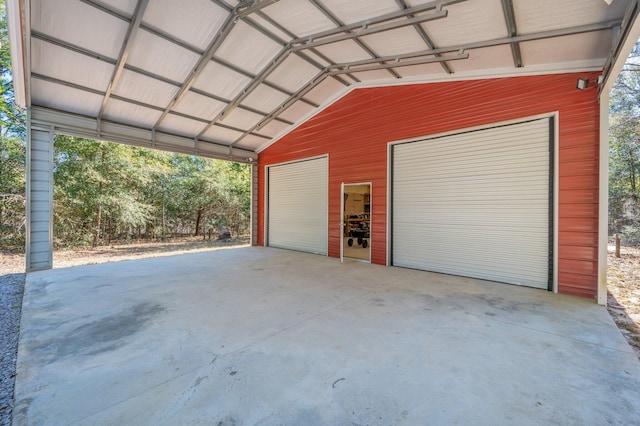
x: 475, y: 204
x: 298, y: 197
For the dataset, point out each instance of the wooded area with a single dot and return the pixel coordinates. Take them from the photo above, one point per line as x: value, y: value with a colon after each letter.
x: 624, y: 152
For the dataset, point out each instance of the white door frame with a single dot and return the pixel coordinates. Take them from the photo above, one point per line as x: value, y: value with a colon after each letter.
x: 265, y: 230
x: 342, y: 224
x: 554, y: 115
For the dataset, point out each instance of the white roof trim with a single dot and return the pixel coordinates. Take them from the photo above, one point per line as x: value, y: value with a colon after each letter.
x: 532, y: 70
x: 14, y: 18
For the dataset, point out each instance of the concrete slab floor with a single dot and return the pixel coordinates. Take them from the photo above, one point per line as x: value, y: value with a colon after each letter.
x: 267, y: 336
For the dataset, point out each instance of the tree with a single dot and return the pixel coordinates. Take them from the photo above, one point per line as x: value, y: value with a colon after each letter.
x: 12, y: 150
x: 624, y: 150
x: 105, y: 191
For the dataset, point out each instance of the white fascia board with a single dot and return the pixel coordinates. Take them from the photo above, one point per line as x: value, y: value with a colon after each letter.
x: 16, y: 46
x: 528, y: 71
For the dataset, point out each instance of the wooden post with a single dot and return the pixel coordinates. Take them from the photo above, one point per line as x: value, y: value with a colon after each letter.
x: 617, y: 245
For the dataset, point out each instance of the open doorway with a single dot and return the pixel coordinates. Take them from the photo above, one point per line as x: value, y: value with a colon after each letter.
x: 356, y: 229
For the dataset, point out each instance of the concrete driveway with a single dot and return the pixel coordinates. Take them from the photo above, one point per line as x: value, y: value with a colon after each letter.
x: 265, y: 336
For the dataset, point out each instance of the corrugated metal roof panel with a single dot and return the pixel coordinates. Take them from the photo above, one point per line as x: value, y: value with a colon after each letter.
x: 264, y: 98
x: 77, y: 22
x: 181, y: 126
x: 199, y: 106
x: 396, y: 42
x: 543, y: 15
x: 221, y: 134
x: 127, y: 113
x: 125, y: 7
x: 468, y: 22
x: 297, y: 111
x: 57, y: 62
x: 247, y: 48
x: 221, y: 81
x: 192, y: 21
x: 293, y: 73
x: 489, y: 57
x: 276, y: 31
x: 133, y: 85
x: 65, y: 98
x: 359, y: 10
x: 273, y: 129
x: 299, y: 17
x: 325, y: 91
x: 241, y: 119
x: 344, y: 51
x: 250, y: 142
x: 161, y: 57
x: 579, y: 47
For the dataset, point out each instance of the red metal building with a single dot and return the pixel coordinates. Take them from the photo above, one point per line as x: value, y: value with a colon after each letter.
x: 354, y: 133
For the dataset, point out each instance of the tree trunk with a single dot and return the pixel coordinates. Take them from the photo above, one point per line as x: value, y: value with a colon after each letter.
x: 198, y: 220
x: 96, y: 233
x: 163, y: 220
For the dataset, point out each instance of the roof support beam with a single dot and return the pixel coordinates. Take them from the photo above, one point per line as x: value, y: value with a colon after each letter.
x: 319, y: 78
x: 258, y: 79
x: 425, y: 37
x: 344, y: 32
x: 134, y: 24
x: 274, y: 37
x: 389, y: 62
x: 512, y: 29
x: 247, y: 7
x: 301, y: 54
x: 199, y: 67
x: 507, y: 40
x: 360, y: 29
x: 339, y: 23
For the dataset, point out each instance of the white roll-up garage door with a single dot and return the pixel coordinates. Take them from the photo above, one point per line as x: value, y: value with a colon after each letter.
x: 476, y: 204
x: 297, y: 206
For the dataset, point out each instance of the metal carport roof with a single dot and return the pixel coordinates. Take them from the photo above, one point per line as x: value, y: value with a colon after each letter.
x: 224, y: 78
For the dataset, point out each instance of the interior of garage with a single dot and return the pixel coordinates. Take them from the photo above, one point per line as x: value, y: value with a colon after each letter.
x: 356, y: 239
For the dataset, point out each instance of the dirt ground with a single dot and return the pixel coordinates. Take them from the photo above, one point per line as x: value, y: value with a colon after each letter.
x: 623, y: 282
x: 11, y: 263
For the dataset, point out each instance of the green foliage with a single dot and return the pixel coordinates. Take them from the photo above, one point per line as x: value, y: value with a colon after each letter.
x: 631, y: 234
x: 106, y: 191
x: 624, y: 148
x: 12, y: 150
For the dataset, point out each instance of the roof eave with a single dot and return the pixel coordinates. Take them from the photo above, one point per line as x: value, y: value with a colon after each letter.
x: 16, y: 46
x: 628, y: 35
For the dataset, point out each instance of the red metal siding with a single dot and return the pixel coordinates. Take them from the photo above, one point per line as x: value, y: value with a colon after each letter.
x: 355, y: 131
